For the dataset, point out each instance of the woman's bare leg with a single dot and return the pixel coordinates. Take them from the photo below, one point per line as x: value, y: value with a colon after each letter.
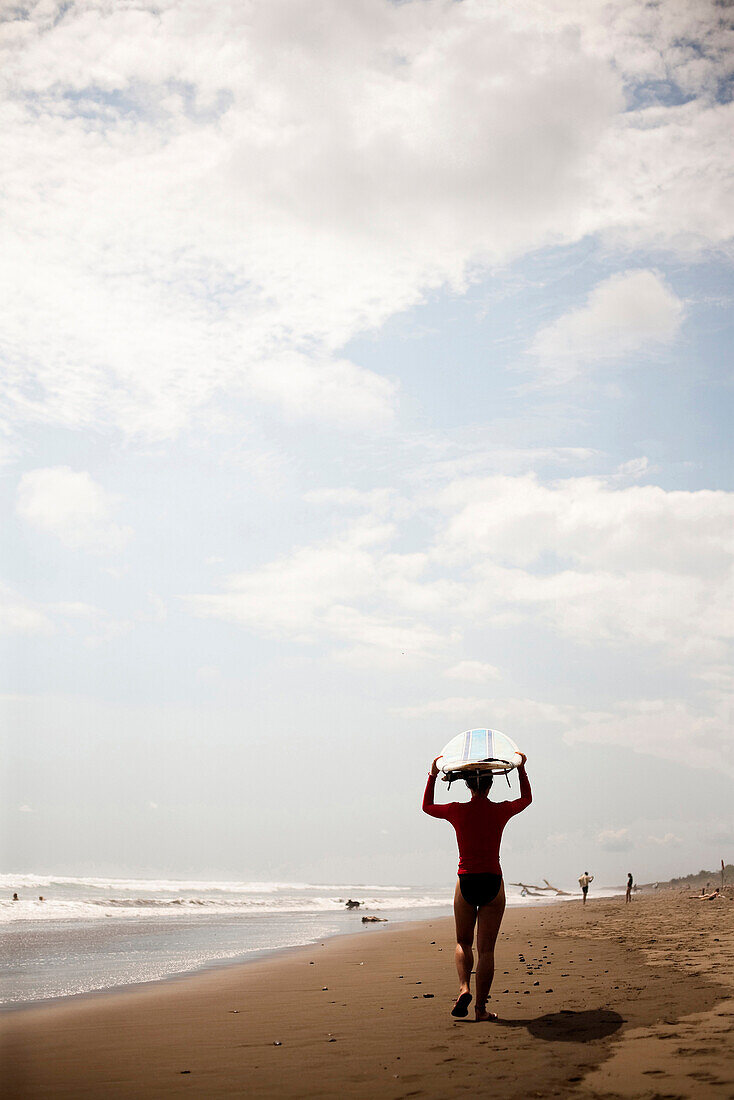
x: 488, y: 926
x: 465, y: 916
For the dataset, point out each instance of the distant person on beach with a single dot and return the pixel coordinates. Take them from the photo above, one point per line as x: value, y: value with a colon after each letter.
x: 584, y: 882
x: 15, y: 897
x: 479, y: 898
x: 716, y: 896
x: 628, y: 895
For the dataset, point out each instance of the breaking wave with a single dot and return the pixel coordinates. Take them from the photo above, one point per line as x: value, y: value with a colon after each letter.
x: 61, y: 897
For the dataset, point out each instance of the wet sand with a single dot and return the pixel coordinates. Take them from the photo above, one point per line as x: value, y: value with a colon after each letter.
x: 603, y: 1001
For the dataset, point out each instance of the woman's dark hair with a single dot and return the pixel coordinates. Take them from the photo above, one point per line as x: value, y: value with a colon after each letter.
x: 479, y: 783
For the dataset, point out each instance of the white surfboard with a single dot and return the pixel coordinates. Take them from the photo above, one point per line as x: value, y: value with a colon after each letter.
x: 479, y: 750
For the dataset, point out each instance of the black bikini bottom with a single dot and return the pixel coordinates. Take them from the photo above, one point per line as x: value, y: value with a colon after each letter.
x: 479, y: 890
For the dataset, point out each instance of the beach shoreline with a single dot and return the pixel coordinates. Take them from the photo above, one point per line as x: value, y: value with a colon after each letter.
x: 262, y: 955
x: 101, y: 934
x: 602, y: 1000
x: 46, y: 961
x: 245, y: 959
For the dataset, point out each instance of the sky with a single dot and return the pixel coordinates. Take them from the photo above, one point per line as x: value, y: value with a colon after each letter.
x: 366, y: 378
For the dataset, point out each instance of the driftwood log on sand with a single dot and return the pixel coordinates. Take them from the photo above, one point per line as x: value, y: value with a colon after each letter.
x: 538, y: 891
x: 561, y: 893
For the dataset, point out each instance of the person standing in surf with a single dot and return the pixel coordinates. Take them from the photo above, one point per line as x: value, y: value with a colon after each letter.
x: 479, y: 898
x: 585, y: 882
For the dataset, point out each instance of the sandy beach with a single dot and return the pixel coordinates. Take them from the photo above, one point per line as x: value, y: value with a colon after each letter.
x: 606, y: 1000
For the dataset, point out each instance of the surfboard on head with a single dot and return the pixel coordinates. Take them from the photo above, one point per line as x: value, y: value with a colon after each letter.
x: 479, y: 750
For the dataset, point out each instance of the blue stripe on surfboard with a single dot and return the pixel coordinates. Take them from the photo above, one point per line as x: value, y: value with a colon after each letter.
x: 478, y: 745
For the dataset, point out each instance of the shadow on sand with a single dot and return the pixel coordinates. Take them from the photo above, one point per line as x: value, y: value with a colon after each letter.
x: 570, y: 1027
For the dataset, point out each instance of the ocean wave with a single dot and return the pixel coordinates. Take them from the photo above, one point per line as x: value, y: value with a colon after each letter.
x: 34, y: 881
x: 162, y: 908
x: 91, y: 898
x: 121, y: 885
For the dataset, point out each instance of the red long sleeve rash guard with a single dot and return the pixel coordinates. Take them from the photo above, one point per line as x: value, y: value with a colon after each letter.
x: 479, y: 825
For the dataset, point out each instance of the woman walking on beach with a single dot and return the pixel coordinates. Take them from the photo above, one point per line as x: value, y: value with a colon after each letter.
x: 479, y: 898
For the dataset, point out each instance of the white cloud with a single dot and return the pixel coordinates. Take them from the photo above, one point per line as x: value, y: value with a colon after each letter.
x: 289, y: 596
x: 462, y: 707
x: 316, y: 593
x: 695, y: 734
x: 473, y: 460
x: 389, y: 634
x: 615, y: 840
x: 558, y: 839
x: 600, y: 563
x: 591, y: 560
x: 20, y: 616
x: 24, y: 809
x: 208, y: 674
x: 492, y: 712
x: 476, y: 672
x: 683, y: 198
x: 681, y: 615
x: 720, y: 832
x: 597, y: 562
x: 70, y: 505
x: 94, y: 624
x: 589, y: 523
x: 667, y: 839
x: 634, y: 468
x: 331, y: 390
x: 208, y: 201
x: 631, y: 313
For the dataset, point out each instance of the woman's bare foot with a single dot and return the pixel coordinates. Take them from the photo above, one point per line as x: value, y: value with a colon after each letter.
x: 481, y: 1014
x: 461, y: 1005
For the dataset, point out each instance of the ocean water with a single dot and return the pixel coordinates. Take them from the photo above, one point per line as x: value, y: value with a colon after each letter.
x: 100, y: 933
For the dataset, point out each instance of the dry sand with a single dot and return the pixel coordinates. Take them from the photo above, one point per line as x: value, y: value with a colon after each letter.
x: 603, y: 1001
